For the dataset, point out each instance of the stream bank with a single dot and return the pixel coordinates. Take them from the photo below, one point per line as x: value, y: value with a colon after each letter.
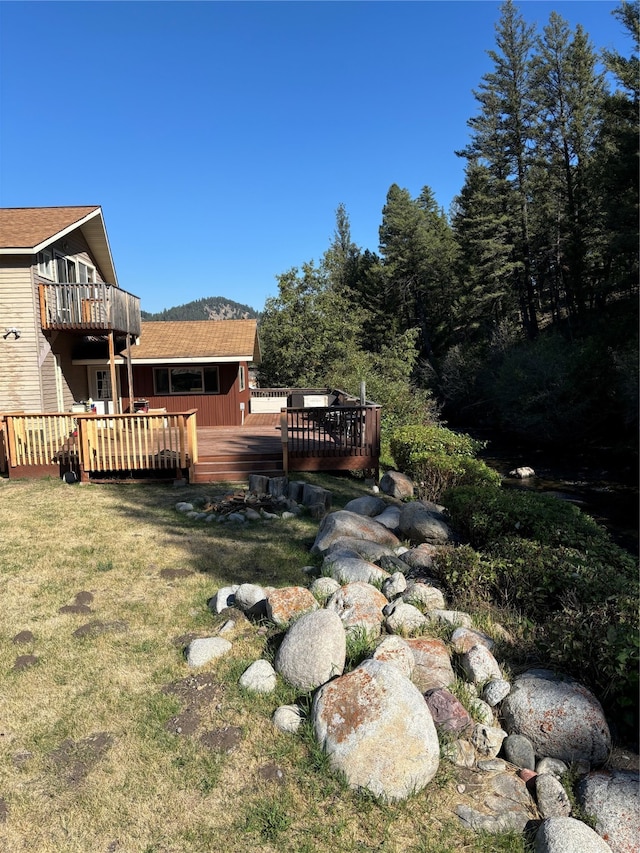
x: 597, y: 481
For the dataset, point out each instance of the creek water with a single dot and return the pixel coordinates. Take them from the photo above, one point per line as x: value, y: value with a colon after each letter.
x: 600, y: 484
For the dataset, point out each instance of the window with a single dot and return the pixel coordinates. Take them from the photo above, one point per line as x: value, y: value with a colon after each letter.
x: 186, y: 380
x: 45, y: 264
x: 66, y: 269
x: 86, y: 274
x: 241, y: 378
x: 103, y: 385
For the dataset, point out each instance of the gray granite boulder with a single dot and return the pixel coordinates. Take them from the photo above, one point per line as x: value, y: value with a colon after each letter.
x: 396, y: 651
x: 287, y: 718
x: 421, y: 557
x: 508, y: 804
x: 364, y: 548
x: 314, y: 650
x: 377, y: 730
x: 568, y: 835
x: 420, y: 522
x: 351, y: 569
x: 394, y: 586
x: 368, y: 505
x: 342, y: 523
x: 518, y: 750
x: 561, y: 718
x: 613, y: 798
x: 396, y: 485
x: 251, y: 599
x: 423, y: 596
x: 404, y: 619
x: 224, y: 597
x: 390, y: 518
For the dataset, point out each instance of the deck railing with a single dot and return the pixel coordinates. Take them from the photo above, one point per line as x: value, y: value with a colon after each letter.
x: 93, y: 444
x: 331, y: 437
x: 86, y: 307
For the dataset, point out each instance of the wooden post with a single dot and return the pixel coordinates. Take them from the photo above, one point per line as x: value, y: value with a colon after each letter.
x: 112, y: 367
x: 129, y: 367
x: 284, y: 438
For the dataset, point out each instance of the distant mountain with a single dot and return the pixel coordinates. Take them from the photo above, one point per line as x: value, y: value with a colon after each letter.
x: 209, y: 308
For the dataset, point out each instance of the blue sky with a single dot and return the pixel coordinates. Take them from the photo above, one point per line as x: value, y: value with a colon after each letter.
x: 220, y: 137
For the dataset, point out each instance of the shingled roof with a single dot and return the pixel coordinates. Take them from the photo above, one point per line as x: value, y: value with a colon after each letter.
x: 197, y: 340
x: 27, y: 230
x: 28, y: 227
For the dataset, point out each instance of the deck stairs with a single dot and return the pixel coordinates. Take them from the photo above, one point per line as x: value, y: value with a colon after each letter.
x: 232, y: 454
x: 236, y: 467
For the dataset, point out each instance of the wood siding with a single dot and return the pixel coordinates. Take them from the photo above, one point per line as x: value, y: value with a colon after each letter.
x: 221, y: 409
x: 20, y: 383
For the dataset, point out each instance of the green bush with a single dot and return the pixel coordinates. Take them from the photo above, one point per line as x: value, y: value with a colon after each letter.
x: 484, y: 515
x: 437, y: 459
x: 554, y: 565
x: 435, y: 473
x: 430, y: 438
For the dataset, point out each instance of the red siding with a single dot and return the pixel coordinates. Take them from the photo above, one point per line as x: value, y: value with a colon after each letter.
x: 221, y: 409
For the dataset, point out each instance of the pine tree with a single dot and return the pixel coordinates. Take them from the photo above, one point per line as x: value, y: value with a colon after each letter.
x: 502, y: 135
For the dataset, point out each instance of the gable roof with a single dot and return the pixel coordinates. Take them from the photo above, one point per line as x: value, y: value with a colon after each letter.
x: 28, y: 230
x: 189, y: 341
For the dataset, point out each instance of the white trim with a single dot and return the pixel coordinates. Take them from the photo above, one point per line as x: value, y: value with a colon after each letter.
x: 160, y: 361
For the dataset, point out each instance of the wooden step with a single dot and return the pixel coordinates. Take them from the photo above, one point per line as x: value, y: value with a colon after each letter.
x: 235, y: 467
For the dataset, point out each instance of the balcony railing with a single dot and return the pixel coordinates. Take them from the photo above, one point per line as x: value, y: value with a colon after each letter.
x: 89, y: 308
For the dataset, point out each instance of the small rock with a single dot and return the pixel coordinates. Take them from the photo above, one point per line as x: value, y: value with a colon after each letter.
x: 394, y: 586
x: 449, y: 714
x: 518, y: 750
x: 404, y: 619
x: 487, y: 739
x: 223, y: 598
x: 551, y: 765
x: 464, y: 639
x: 205, y: 649
x: 395, y: 650
x: 480, y: 665
x: 481, y: 711
x: 287, y: 718
x: 396, y: 485
x: 495, y: 691
x: 492, y: 765
x: 260, y: 677
x: 551, y: 796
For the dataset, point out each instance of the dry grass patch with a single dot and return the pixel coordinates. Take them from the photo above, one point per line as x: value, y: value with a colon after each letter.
x: 110, y: 742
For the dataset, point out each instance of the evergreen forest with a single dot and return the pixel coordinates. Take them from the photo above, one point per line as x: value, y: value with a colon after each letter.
x: 518, y: 307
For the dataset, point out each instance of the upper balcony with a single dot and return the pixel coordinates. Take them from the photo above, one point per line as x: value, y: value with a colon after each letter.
x: 95, y: 308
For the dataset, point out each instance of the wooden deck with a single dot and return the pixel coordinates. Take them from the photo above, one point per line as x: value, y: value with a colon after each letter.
x: 320, y: 438
x: 232, y: 453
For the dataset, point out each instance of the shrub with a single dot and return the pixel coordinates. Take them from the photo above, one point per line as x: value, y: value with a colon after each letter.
x: 436, y: 458
x: 484, y: 515
x: 430, y: 438
x: 435, y: 473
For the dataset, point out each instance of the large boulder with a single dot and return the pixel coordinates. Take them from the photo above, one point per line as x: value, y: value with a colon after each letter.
x: 364, y: 548
x: 342, y: 523
x: 568, y: 835
x: 314, y: 650
x: 347, y: 569
x: 359, y: 606
x: 561, y: 718
x: 613, y: 799
x: 421, y: 522
x: 390, y: 518
x: 377, y: 730
x: 368, y: 505
x: 396, y: 485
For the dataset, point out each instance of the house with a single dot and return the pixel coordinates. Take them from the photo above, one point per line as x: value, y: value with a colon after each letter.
x: 58, y: 286
x: 188, y: 364
x: 69, y: 333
